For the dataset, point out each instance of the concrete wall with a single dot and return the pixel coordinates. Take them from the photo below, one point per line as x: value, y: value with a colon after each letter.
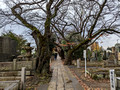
x: 17, y: 65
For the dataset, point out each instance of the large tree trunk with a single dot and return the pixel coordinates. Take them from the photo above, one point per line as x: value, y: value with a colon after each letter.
x: 83, y: 45
x: 68, y: 59
x: 61, y: 53
x: 43, y: 53
x: 43, y: 49
x: 44, y: 58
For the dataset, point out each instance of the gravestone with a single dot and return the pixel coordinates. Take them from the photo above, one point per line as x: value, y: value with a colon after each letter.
x: 117, y: 52
x: 93, y: 56
x: 7, y: 48
x: 112, y: 61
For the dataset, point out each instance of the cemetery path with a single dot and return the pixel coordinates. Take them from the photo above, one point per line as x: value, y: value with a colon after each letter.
x: 62, y: 78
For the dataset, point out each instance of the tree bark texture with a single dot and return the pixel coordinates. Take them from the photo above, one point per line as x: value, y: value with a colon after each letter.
x: 43, y: 53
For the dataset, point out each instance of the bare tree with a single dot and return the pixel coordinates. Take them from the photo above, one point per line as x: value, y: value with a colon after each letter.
x: 87, y: 20
x: 36, y: 15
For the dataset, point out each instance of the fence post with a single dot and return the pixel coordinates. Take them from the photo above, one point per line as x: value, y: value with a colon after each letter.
x: 14, y: 64
x: 23, y: 78
x: 78, y: 63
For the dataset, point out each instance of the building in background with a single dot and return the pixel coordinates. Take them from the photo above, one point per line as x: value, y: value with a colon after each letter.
x: 95, y: 46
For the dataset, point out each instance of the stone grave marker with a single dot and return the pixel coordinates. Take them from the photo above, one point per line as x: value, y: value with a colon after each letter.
x: 7, y: 48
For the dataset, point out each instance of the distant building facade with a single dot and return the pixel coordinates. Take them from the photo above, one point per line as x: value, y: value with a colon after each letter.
x: 7, y: 48
x: 95, y: 46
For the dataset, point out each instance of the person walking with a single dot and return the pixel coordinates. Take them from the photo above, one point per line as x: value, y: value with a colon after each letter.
x: 55, y: 54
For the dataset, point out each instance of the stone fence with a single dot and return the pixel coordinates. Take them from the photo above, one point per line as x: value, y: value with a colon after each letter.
x: 9, y: 85
x: 17, y: 65
x: 89, y: 64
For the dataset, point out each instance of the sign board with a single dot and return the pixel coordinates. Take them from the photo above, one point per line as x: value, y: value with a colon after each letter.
x: 112, y: 80
x: 84, y: 53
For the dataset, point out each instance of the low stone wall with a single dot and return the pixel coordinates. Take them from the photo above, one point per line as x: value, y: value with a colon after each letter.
x: 6, y: 65
x: 15, y: 73
x: 92, y: 64
x: 27, y: 64
x: 9, y: 85
x: 89, y: 64
x: 17, y: 65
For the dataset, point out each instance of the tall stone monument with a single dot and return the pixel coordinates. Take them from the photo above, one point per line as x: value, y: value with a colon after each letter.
x: 7, y: 48
x: 117, y: 52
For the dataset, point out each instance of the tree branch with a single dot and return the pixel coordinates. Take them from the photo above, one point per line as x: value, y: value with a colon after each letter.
x: 96, y: 20
x: 31, y: 27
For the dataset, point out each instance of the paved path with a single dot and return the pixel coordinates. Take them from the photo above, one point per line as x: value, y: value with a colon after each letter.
x: 62, y: 78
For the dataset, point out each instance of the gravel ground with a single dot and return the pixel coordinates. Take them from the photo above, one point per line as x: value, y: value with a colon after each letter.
x: 37, y: 83
x: 105, y: 84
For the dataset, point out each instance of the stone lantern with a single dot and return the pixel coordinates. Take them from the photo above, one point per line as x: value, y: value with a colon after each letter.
x: 28, y: 51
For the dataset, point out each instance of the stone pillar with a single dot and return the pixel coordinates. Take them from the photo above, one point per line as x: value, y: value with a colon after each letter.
x: 23, y: 78
x: 14, y: 64
x: 118, y: 83
x: 112, y: 79
x: 78, y: 63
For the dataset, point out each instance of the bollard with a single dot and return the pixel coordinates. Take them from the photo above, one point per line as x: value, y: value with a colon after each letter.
x: 78, y: 63
x: 23, y: 78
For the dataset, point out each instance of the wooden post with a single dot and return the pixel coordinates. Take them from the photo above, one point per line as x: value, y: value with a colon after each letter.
x: 23, y: 78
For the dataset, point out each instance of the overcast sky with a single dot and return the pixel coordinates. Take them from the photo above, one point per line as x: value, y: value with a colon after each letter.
x: 105, y: 42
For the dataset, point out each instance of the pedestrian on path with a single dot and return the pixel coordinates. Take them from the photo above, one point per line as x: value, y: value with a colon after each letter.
x: 55, y: 53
